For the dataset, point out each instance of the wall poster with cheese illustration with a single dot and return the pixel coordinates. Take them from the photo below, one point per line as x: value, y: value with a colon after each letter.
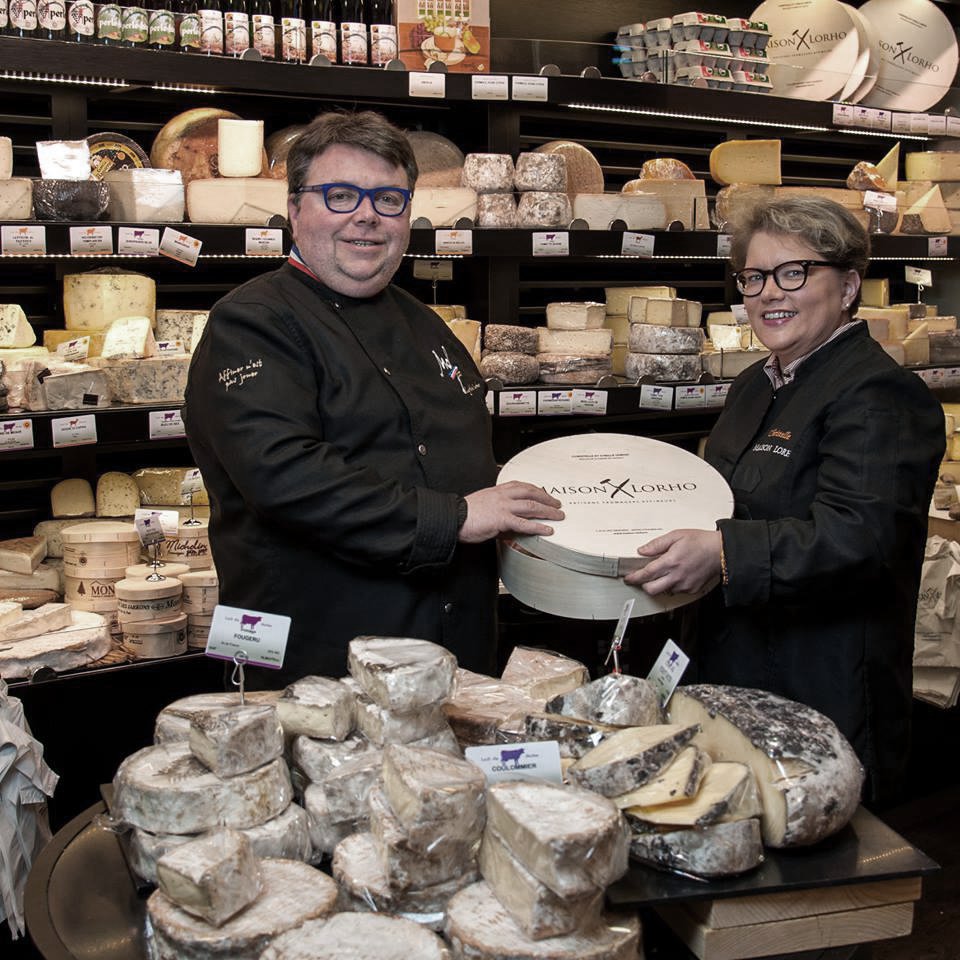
x: 453, y: 32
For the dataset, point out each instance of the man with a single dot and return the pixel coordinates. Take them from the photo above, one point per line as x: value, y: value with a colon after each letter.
x: 341, y: 428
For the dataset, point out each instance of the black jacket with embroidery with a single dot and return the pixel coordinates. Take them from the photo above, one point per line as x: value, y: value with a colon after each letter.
x: 334, y: 436
x: 832, y: 477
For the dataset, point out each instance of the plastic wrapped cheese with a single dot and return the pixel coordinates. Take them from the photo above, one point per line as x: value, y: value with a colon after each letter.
x: 615, y: 698
x: 316, y: 758
x: 317, y: 707
x: 236, y: 739
x: 400, y: 673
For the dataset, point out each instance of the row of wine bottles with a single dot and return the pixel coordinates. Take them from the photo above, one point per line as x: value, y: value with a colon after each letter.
x: 355, y: 32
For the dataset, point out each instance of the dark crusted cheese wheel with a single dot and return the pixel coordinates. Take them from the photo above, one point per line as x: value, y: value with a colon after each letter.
x: 666, y: 168
x: 496, y: 211
x: 508, y: 338
x: 543, y: 209
x: 584, y: 174
x: 439, y: 160
x: 680, y: 366
x: 278, y: 145
x: 718, y: 850
x: 512, y: 368
x: 79, y: 200
x: 541, y: 171
x: 558, y: 368
x: 114, y: 151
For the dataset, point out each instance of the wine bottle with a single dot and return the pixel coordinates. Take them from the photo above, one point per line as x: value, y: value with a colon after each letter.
x: 323, y: 30
x: 108, y: 23
x: 236, y: 28
x: 188, y: 27
x: 81, y: 21
x: 133, y: 24
x: 4, y: 18
x: 383, y: 32
x: 23, y: 18
x: 161, y: 25
x: 263, y: 29
x: 51, y: 20
x: 353, y: 33
x: 211, y: 26
x: 293, y: 42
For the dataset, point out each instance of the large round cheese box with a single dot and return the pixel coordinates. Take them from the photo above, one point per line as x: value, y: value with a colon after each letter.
x: 140, y: 600
x: 97, y: 545
x: 201, y: 591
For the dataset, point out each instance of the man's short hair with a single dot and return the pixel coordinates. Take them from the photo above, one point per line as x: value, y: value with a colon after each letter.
x: 366, y: 130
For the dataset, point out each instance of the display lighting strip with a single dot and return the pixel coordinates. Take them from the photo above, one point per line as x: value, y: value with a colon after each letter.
x: 136, y: 256
x: 61, y: 78
x: 184, y: 88
x: 918, y: 257
x: 435, y: 256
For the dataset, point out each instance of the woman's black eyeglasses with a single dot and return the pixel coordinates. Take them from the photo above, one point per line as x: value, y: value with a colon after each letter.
x: 788, y: 276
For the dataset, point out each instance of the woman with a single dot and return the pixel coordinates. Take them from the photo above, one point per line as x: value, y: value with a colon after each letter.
x: 831, y: 451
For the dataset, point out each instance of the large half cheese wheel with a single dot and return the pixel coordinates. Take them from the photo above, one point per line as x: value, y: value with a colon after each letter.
x: 278, y: 145
x: 439, y: 160
x: 584, y: 174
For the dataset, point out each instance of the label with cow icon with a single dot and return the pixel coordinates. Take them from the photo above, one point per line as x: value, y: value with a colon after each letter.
x: 140, y: 241
x: 166, y: 423
x: 74, y: 431
x: 16, y: 435
x: 536, y: 760
x: 251, y: 636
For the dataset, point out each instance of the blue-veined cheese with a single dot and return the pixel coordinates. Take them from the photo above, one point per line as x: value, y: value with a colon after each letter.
x: 15, y: 329
x: 92, y: 301
x: 160, y: 379
x: 129, y: 338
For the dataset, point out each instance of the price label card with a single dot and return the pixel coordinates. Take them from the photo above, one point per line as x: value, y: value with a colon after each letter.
x: 155, y: 526
x: 20, y: 240
x: 91, y: 240
x: 936, y: 126
x: 427, y: 85
x: 518, y: 403
x: 716, y: 394
x: 918, y: 275
x: 590, y: 402
x: 636, y: 244
x: 16, y: 435
x: 901, y: 122
x: 655, y: 397
x: 739, y: 312
x: 165, y: 423
x: 138, y: 241
x: 724, y: 241
x: 686, y: 398
x: 882, y: 119
x: 919, y: 123
x: 180, y: 246
x: 489, y: 88
x: 551, y: 244
x: 879, y: 200
x: 74, y: 431
x: 191, y: 485
x: 539, y: 760
x: 253, y: 636
x: 843, y: 115
x: 74, y: 350
x: 668, y: 670
x: 169, y: 347
x: 263, y: 242
x: 935, y: 376
x: 936, y: 247
x: 552, y: 403
x: 530, y: 88
x: 453, y: 241
x: 951, y: 376
x: 953, y: 126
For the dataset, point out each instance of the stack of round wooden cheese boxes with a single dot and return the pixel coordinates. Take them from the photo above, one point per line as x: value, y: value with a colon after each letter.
x: 157, y: 610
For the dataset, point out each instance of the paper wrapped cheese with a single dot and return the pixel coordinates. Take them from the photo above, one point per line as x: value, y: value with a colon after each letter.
x: 401, y: 673
x: 317, y: 758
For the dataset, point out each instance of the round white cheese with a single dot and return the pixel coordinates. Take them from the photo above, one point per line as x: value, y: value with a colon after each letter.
x: 173, y: 721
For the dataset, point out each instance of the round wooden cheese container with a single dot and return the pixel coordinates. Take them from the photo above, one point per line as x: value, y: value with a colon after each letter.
x: 105, y: 606
x: 140, y: 600
x: 141, y: 571
x: 198, y: 630
x: 201, y: 592
x: 99, y: 545
x: 191, y: 546
x: 152, y: 639
x: 91, y: 587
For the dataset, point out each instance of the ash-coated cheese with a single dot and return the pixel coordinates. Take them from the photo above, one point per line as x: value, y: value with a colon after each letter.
x: 679, y: 780
x: 631, y: 757
x: 617, y: 699
x: 807, y: 773
x: 325, y: 834
x: 446, y: 857
x: 316, y: 707
x: 347, y: 786
x: 579, y: 343
x: 650, y: 338
x: 381, y: 726
x: 663, y: 366
x: 84, y: 642
x: 513, y: 369
x: 535, y: 908
x: 16, y: 198
x: 173, y: 721
x: 433, y: 794
x: 400, y: 673
x: 161, y: 379
x: 22, y: 554
x: 543, y: 209
x: 213, y: 877
x: 572, y: 840
x: 315, y: 759
x: 92, y: 301
x: 293, y: 893
x: 166, y: 789
x: 496, y: 211
x: 510, y: 338
x: 358, y: 936
x: 236, y: 739
x: 480, y: 928
x: 488, y: 172
x: 15, y: 329
x: 564, y: 369
x: 35, y: 623
x: 541, y: 674
x: 566, y: 315
x: 244, y: 200
x: 541, y: 171
x: 575, y: 737
x: 129, y: 338
x: 719, y: 850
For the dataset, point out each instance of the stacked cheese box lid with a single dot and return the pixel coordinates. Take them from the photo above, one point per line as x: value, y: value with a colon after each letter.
x: 618, y: 492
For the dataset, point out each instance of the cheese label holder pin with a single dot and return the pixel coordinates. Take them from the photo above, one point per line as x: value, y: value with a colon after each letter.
x: 618, y: 634
x: 192, y: 484
x: 238, y: 677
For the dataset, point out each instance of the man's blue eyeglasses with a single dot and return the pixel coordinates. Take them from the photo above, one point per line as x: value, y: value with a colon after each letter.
x: 346, y: 197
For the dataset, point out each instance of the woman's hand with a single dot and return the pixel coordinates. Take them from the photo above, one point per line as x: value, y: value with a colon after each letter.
x: 512, y: 507
x: 682, y: 561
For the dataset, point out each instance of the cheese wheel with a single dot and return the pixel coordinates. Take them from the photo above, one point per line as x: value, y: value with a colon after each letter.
x: 510, y: 338
x: 541, y: 171
x: 513, y: 369
x: 543, y: 209
x: 277, y: 146
x: 439, y: 160
x: 496, y: 211
x: 584, y: 173
x: 153, y: 639
x: 84, y: 642
x: 488, y: 172
x: 114, y: 151
x: 665, y: 168
x: 746, y: 161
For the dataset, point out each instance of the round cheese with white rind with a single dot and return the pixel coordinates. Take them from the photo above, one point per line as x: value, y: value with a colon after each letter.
x: 358, y: 936
x: 401, y: 673
x: 166, y: 789
x: 85, y: 642
x: 480, y: 928
x: 293, y: 893
x: 173, y: 721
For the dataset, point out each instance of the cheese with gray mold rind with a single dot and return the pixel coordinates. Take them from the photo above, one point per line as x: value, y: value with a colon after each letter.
x: 514, y: 369
x: 535, y: 908
x: 681, y: 779
x: 347, y: 786
x: 236, y: 739
x: 358, y: 936
x: 541, y: 674
x: 293, y: 893
x: 317, y: 758
x: 808, y: 775
x: 541, y: 171
x: 543, y: 209
x: 324, y: 833
x: 496, y: 211
x: 316, y: 707
x: 160, y: 379
x: 720, y: 850
x: 212, y: 877
x: 401, y: 673
x: 575, y: 737
x: 510, y: 338
x: 651, y: 338
x: 572, y: 840
x: 479, y: 928
x: 616, y: 699
x: 662, y: 367
x: 380, y: 725
x: 488, y: 172
x: 165, y: 789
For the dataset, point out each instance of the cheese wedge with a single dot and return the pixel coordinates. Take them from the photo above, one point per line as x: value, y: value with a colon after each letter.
x: 15, y: 329
x: 927, y: 215
x: 888, y: 168
x: 746, y: 161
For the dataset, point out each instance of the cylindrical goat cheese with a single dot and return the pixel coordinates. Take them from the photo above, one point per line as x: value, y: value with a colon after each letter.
x: 201, y: 592
x: 239, y: 147
x: 510, y: 338
x: 96, y: 545
x: 191, y: 546
x: 541, y: 171
x: 543, y: 209
x: 496, y: 211
x: 488, y: 172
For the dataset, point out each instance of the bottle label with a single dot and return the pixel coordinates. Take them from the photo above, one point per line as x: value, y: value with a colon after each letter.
x: 383, y: 43
x: 353, y: 42
x: 81, y: 19
x: 51, y: 15
x: 162, y: 28
x: 323, y: 39
x: 264, y: 35
x: 294, y: 46
x: 236, y: 32
x: 133, y: 25
x: 190, y: 32
x: 108, y: 22
x: 23, y: 15
x: 3, y: 14
x: 211, y: 31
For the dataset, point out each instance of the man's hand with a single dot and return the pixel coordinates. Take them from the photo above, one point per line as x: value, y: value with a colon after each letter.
x: 683, y: 561
x: 508, y: 508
